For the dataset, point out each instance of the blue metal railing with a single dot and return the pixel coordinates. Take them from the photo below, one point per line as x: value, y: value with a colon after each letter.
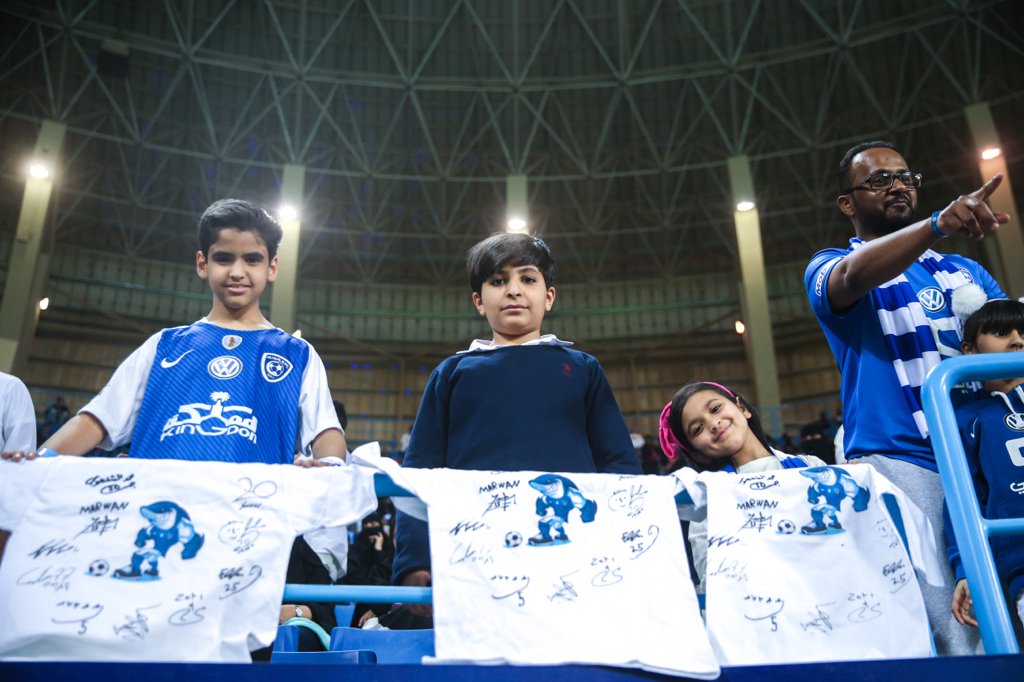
x: 373, y: 594
x: 972, y: 531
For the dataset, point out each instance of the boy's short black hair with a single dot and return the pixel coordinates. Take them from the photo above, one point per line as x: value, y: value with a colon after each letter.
x: 847, y: 160
x: 1000, y: 316
x: 242, y: 215
x: 508, y: 249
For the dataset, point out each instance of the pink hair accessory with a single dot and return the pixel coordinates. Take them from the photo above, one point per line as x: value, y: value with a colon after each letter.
x: 668, y: 440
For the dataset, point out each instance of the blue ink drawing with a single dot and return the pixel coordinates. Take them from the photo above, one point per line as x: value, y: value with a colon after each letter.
x: 169, y: 525
x: 832, y: 486
x: 558, y: 497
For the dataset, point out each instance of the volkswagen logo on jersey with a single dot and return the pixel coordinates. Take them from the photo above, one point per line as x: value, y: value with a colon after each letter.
x: 230, y: 341
x: 932, y: 299
x: 275, y: 367
x: 1015, y: 421
x: 224, y: 367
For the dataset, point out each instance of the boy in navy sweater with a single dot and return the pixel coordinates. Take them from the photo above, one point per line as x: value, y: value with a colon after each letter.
x: 522, y: 401
x: 992, y: 431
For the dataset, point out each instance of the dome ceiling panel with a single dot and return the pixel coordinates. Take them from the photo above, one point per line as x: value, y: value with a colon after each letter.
x: 409, y: 115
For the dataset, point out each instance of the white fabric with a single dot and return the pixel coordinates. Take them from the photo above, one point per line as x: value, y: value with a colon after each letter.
x: 616, y: 593
x: 698, y: 531
x: 17, y: 415
x: 777, y: 595
x: 837, y: 444
x: 331, y: 545
x: 117, y: 405
x: 543, y: 340
x: 76, y: 521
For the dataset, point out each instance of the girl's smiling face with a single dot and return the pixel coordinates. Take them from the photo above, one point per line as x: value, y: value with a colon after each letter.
x: 717, y: 427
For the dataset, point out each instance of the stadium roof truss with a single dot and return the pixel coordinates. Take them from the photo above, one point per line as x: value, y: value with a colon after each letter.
x: 408, y: 116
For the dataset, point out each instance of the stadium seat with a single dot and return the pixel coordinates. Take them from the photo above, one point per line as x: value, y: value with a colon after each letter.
x: 391, y: 646
x: 360, y: 657
x: 287, y: 639
x: 343, y: 614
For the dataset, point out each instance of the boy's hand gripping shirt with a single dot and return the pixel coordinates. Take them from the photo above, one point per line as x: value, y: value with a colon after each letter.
x: 542, y: 569
x: 121, y: 559
x: 814, y: 564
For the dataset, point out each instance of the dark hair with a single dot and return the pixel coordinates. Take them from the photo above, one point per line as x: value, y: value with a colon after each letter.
x: 339, y: 409
x: 690, y: 456
x: 844, y: 165
x: 1000, y: 316
x: 241, y: 215
x: 516, y: 249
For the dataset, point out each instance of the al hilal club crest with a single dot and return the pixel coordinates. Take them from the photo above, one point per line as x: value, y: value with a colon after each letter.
x: 275, y: 367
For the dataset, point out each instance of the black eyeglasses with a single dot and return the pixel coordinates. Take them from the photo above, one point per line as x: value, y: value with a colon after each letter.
x: 883, y: 180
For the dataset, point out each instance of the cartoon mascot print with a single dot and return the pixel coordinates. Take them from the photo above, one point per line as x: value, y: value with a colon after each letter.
x: 831, y: 486
x: 168, y: 526
x: 558, y: 497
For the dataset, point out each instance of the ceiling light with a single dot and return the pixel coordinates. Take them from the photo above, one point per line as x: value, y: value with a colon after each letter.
x: 516, y: 224
x: 740, y: 327
x: 44, y: 303
x: 38, y: 170
x: 991, y: 153
x: 745, y: 206
x: 288, y: 212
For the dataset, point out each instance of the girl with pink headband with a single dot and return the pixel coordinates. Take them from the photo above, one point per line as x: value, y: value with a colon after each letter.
x: 712, y: 428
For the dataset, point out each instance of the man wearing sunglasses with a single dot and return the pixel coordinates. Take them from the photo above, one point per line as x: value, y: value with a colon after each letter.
x: 884, y: 305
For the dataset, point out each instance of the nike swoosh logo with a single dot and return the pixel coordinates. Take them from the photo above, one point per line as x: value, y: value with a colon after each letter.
x: 165, y: 363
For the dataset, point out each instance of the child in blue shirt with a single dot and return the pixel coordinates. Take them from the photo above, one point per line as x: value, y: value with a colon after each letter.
x: 523, y: 401
x: 992, y: 431
x: 228, y: 387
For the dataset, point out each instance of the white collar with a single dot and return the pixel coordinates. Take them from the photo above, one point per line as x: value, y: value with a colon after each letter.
x: 544, y: 340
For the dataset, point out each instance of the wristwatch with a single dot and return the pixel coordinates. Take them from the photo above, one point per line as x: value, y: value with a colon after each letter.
x: 298, y: 612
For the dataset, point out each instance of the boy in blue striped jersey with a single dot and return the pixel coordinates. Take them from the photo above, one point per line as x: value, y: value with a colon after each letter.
x: 229, y: 387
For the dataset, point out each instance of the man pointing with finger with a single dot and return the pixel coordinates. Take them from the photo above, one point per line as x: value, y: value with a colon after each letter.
x: 884, y: 305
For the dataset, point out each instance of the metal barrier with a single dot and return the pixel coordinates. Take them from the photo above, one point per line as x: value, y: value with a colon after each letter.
x: 972, y: 531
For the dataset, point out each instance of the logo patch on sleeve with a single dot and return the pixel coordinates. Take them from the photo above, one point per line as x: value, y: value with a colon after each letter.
x: 275, y: 367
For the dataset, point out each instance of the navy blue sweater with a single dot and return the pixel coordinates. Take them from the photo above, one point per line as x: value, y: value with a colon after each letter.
x: 514, y: 408
x: 993, y: 438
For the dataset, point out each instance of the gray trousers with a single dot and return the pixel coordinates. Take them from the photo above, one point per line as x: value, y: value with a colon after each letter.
x: 924, y: 488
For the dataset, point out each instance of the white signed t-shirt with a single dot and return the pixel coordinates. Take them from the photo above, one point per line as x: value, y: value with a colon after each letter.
x: 809, y: 565
x: 124, y: 559
x: 537, y: 568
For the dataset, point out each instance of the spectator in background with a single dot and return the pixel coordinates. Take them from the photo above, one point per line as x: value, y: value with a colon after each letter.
x: 403, y: 444
x: 651, y: 458
x: 815, y: 440
x: 17, y: 416
x: 17, y: 423
x: 56, y: 414
x: 369, y: 563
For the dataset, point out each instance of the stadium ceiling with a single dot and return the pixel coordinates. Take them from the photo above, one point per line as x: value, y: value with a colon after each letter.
x: 408, y: 116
